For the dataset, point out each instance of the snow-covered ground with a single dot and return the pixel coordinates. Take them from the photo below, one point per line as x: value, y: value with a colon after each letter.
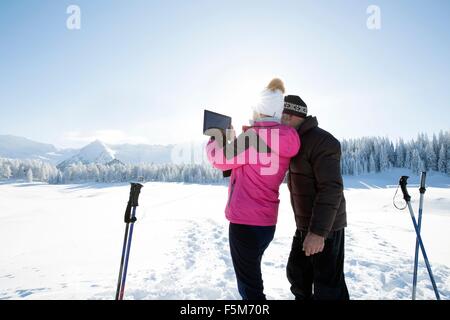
x: 64, y: 242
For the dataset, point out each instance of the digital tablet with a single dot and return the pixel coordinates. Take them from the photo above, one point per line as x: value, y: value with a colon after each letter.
x: 214, y: 120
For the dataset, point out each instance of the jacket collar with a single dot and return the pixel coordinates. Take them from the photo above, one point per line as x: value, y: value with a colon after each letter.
x: 309, y: 123
x: 263, y: 122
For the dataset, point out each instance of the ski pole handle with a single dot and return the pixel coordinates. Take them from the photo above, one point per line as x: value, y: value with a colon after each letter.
x: 134, y: 193
x: 403, y: 182
x: 135, y: 190
x: 423, y: 177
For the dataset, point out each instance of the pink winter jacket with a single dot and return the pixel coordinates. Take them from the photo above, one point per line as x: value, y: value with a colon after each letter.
x: 256, y: 174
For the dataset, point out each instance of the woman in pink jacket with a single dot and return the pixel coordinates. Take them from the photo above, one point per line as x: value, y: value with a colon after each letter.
x: 258, y: 160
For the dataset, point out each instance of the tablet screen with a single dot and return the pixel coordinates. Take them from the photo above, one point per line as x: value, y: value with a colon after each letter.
x: 214, y: 120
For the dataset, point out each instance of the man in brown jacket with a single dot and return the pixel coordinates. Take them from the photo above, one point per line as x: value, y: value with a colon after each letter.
x: 316, y: 263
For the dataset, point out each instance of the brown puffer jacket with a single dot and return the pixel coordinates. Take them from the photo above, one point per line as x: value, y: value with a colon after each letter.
x: 315, y: 181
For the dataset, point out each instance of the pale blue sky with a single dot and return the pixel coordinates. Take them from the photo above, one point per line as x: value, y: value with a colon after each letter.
x: 143, y: 71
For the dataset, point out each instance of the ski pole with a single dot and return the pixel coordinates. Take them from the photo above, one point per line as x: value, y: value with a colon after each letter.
x: 407, y: 197
x: 122, y: 260
x: 130, y: 218
x: 419, y: 226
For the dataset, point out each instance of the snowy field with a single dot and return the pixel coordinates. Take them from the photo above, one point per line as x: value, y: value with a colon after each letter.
x: 65, y: 241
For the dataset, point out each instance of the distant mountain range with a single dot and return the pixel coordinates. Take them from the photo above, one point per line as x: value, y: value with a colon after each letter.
x: 95, y: 152
x: 14, y: 147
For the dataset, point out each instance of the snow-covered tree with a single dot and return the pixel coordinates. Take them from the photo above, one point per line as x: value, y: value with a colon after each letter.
x: 415, y: 161
x: 359, y: 156
x: 442, y: 161
x: 400, y: 154
x: 7, y: 172
x: 431, y: 158
x: 30, y: 175
x: 372, y: 165
x: 384, y: 158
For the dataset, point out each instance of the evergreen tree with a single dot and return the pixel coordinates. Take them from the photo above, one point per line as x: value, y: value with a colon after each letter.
x: 442, y: 161
x: 30, y: 175
x: 431, y: 158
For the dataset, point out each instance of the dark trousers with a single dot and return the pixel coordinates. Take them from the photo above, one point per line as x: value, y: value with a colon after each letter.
x: 247, y: 246
x: 320, y: 276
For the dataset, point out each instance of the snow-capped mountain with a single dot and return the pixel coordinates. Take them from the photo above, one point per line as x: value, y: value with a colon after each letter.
x: 14, y: 147
x: 95, y: 152
x: 99, y: 152
x: 18, y: 147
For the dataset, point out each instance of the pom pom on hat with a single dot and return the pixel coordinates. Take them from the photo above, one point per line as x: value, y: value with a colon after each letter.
x: 271, y: 101
x: 276, y: 84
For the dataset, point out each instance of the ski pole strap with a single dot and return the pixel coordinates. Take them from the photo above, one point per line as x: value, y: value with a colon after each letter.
x: 393, y: 200
x: 132, y: 202
x: 423, y: 177
x: 403, y: 182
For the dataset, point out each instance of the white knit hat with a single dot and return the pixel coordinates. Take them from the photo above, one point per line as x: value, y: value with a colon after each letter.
x: 271, y: 100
